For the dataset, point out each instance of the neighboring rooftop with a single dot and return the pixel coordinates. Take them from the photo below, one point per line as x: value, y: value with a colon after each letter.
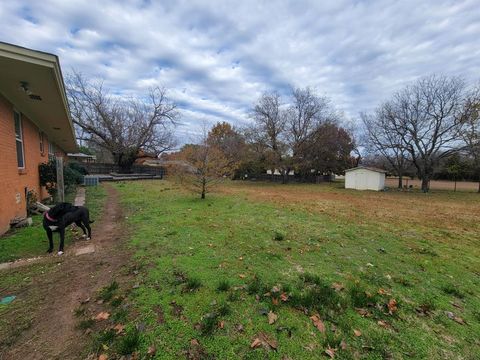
x: 367, y: 168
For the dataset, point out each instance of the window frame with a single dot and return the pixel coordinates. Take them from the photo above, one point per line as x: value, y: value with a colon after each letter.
x: 19, y: 138
x: 41, y: 135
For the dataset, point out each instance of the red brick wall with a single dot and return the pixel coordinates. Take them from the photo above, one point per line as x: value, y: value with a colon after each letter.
x: 13, y: 181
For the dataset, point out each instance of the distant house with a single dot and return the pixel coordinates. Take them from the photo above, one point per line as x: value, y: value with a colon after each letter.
x: 365, y: 178
x: 34, y: 125
x: 143, y: 157
x: 277, y: 172
x: 81, y: 157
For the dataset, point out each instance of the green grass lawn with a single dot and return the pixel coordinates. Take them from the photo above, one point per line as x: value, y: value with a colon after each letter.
x: 387, y: 278
x: 32, y: 241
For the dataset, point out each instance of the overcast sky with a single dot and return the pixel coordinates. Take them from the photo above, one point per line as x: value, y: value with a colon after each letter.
x: 217, y: 57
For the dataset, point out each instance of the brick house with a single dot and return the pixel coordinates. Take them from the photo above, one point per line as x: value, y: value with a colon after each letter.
x: 35, y: 124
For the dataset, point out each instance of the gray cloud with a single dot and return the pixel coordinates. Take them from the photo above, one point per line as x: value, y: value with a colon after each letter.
x: 217, y: 57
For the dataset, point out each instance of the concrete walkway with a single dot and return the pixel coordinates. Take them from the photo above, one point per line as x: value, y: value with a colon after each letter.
x: 80, y: 197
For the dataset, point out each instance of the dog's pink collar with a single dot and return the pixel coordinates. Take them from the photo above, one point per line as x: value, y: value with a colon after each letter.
x: 49, y: 218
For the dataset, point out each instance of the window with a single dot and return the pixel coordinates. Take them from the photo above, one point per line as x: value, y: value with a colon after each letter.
x: 51, y: 150
x: 42, y: 142
x: 19, y: 140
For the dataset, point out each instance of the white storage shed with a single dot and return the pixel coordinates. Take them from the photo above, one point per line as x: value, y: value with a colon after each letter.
x: 365, y: 178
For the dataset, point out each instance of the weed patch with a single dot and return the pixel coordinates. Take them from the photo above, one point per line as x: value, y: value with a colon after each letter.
x: 128, y: 343
x: 107, y: 293
x: 223, y: 285
x: 451, y: 289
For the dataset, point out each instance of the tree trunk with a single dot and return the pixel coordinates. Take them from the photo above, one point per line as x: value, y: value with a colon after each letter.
x: 478, y: 187
x: 400, y: 181
x: 125, y: 161
x: 425, y: 184
x: 204, y: 190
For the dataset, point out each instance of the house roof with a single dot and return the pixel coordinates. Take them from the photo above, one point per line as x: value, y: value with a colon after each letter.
x: 367, y: 168
x: 32, y: 81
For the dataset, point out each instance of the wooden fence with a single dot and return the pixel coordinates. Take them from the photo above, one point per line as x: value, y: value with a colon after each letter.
x: 99, y: 168
x: 312, y: 179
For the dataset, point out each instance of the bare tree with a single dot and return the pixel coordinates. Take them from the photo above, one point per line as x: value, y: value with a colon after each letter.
x: 270, y: 125
x: 121, y: 126
x: 303, y: 117
x: 428, y: 116
x: 208, y: 165
x: 384, y: 139
x: 471, y: 133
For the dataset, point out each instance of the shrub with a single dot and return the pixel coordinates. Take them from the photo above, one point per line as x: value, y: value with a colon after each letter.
x: 48, y: 177
x: 74, y: 165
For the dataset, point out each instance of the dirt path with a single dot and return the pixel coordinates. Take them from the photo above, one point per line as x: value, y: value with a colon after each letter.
x: 77, y: 277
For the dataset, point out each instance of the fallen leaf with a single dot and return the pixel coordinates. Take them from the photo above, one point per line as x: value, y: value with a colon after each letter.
x: 256, y: 343
x: 85, y: 301
x: 383, y: 324
x: 338, y: 286
x: 382, y: 291
x: 119, y: 328
x: 272, y: 317
x: 458, y: 306
x: 274, y: 301
x: 263, y: 340
x: 103, y: 357
x: 392, y: 306
x: 283, y: 297
x: 330, y: 352
x: 343, y: 345
x: 275, y: 289
x: 318, y: 323
x: 239, y: 328
x: 102, y: 316
x: 194, y: 342
x: 221, y: 324
x: 363, y: 312
x: 151, y: 351
x: 241, y: 276
x: 357, y: 333
x: 459, y: 320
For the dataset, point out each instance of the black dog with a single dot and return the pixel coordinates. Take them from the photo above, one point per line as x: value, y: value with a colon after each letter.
x: 60, y: 216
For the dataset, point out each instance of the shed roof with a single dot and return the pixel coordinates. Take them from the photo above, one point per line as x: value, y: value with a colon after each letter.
x: 367, y: 168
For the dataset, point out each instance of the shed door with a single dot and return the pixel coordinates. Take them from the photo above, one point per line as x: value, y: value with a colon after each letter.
x: 361, y: 180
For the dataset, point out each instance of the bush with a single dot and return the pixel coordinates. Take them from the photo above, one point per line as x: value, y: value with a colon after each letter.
x: 48, y: 176
x: 74, y: 165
